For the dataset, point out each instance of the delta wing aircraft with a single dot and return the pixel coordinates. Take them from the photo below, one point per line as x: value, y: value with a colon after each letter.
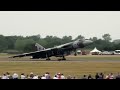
x: 57, y: 51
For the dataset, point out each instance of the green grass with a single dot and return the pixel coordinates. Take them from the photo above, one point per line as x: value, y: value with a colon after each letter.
x: 67, y: 68
x: 96, y: 57
x: 78, y: 57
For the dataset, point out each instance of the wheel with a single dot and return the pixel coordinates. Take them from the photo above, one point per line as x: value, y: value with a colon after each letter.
x: 64, y: 59
x: 75, y: 54
x: 48, y: 59
x: 59, y: 59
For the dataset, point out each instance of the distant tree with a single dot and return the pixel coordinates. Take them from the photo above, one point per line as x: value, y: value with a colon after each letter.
x: 27, y: 44
x: 106, y: 37
x: 117, y: 46
x: 43, y: 43
x: 56, y: 41
x: 117, y: 41
x: 11, y: 41
x: 3, y: 43
x: 66, y: 39
x: 34, y: 37
x: 48, y: 39
x: 19, y: 45
x: 24, y: 45
x: 80, y: 37
x: 90, y: 38
x: 94, y: 39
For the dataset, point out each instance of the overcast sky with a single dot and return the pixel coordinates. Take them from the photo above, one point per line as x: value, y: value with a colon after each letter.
x: 60, y: 23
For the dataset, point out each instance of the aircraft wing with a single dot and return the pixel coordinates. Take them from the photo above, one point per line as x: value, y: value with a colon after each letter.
x: 36, y: 53
x: 31, y: 53
x: 41, y: 52
x: 67, y: 45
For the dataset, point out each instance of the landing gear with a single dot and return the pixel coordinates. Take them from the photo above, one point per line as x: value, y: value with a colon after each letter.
x: 48, y: 58
x: 63, y: 58
x: 75, y: 54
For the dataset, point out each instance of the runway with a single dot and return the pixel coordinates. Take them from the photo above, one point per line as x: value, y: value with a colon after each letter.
x: 105, y: 58
x: 60, y: 61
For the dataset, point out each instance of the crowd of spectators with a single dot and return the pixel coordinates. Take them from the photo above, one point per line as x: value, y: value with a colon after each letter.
x: 47, y: 75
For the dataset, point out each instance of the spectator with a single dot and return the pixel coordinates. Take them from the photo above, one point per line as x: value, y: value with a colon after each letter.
x: 35, y: 77
x: 96, y: 76
x: 74, y: 77
x: 43, y: 77
x: 55, y: 77
x: 4, y: 76
x: 101, y: 76
x: 69, y: 77
x: 27, y: 76
x: 90, y: 77
x: 84, y: 77
x: 111, y: 76
x: 15, y: 76
x: 22, y: 76
x: 31, y: 75
x: 107, y: 76
x: 118, y: 76
x: 47, y: 75
x: 0, y: 77
x: 39, y: 77
x: 8, y: 75
x: 59, y: 75
x: 62, y: 76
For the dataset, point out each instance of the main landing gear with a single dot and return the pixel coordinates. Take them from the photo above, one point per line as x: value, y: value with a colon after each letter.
x: 63, y: 58
x: 48, y: 59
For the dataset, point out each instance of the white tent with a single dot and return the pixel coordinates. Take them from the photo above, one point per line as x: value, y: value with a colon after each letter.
x: 79, y: 52
x: 95, y: 51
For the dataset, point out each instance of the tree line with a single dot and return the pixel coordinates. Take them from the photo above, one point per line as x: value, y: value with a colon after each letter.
x: 20, y: 44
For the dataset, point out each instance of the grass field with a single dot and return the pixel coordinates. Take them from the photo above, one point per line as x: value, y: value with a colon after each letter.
x: 67, y: 68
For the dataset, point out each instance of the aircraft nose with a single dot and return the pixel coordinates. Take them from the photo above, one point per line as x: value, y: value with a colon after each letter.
x: 86, y: 42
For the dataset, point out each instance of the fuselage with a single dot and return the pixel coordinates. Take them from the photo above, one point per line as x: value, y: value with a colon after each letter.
x: 63, y: 49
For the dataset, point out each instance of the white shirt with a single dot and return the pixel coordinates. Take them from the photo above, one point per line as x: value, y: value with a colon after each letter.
x: 62, y: 77
x: 15, y: 75
x: 8, y: 76
x: 4, y: 77
x: 111, y: 77
x: 107, y: 77
x: 46, y: 75
x: 35, y: 77
x: 22, y: 76
x: 43, y: 77
x: 55, y: 78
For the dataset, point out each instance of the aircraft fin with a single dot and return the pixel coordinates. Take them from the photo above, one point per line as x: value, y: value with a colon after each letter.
x: 39, y: 47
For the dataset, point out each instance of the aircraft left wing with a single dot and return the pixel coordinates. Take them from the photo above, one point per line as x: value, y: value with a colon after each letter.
x: 26, y: 54
x: 36, y: 53
x: 42, y: 53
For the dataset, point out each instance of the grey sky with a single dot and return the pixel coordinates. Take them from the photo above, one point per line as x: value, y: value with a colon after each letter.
x: 60, y: 23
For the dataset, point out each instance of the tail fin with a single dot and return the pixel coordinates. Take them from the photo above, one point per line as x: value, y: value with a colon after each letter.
x: 39, y: 47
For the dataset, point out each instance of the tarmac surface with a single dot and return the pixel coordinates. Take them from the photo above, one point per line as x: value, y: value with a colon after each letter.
x: 68, y: 59
x: 59, y: 60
